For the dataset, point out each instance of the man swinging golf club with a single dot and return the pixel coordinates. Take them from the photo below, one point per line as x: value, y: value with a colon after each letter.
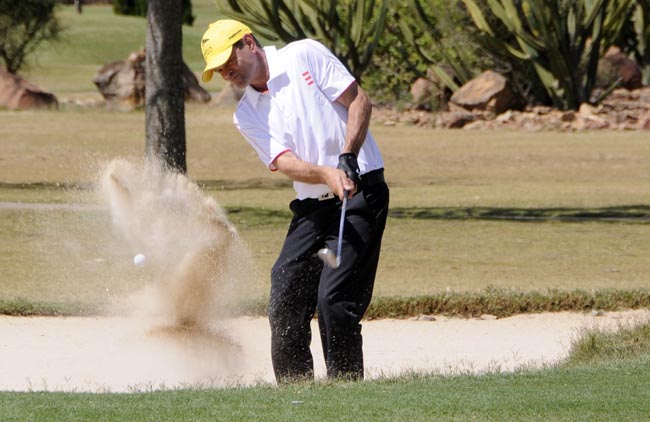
x: 305, y: 115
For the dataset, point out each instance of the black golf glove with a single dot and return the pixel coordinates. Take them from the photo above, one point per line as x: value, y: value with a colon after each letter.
x: 348, y: 163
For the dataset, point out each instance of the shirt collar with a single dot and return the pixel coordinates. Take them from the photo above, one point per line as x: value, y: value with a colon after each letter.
x: 276, y: 68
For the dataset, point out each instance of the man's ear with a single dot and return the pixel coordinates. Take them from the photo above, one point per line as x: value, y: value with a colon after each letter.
x: 249, y: 41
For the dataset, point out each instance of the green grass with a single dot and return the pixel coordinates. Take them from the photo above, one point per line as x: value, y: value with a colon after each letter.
x: 50, y: 250
x: 456, y: 205
x: 617, y: 391
x: 68, y: 66
x: 425, y: 168
x: 595, y: 346
x: 517, y: 212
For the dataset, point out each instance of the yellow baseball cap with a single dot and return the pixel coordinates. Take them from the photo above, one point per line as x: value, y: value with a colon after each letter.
x: 217, y: 42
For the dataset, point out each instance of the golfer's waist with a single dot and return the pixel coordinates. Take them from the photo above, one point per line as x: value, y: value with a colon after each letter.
x: 368, y: 180
x: 371, y: 179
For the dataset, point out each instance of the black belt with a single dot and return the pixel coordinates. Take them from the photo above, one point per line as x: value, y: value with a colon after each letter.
x: 371, y: 178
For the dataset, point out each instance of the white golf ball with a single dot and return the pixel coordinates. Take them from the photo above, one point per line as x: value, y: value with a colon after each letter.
x: 139, y: 260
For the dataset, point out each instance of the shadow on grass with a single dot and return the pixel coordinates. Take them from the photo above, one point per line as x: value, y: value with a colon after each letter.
x: 623, y: 213
x: 628, y: 213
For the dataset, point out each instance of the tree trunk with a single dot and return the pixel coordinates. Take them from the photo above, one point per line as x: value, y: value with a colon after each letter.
x: 164, y: 97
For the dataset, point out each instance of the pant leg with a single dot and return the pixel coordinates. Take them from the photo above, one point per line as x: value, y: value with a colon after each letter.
x: 344, y: 293
x: 294, y: 288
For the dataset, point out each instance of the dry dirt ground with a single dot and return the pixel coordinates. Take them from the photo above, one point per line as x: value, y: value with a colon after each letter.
x: 119, y: 354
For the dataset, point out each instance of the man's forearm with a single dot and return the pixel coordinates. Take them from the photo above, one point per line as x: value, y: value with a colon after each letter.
x: 359, y: 112
x: 301, y: 171
x: 298, y: 170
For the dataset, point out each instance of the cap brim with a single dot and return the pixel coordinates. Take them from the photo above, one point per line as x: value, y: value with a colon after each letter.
x: 218, y: 60
x: 207, y: 75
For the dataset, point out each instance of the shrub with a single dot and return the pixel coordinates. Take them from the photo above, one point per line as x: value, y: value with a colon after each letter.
x: 139, y: 8
x: 351, y: 29
x: 560, y: 41
x: 24, y: 24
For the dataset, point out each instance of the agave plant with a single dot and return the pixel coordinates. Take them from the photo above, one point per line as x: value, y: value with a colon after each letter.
x: 562, y: 39
x: 641, y: 19
x: 432, y: 45
x: 351, y: 29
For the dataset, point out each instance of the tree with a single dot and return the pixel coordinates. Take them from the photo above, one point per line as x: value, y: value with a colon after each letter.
x: 24, y: 24
x: 139, y: 8
x: 164, y: 97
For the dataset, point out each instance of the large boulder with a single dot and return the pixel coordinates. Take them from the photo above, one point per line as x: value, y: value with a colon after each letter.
x: 616, y: 66
x: 17, y: 93
x: 430, y: 92
x: 490, y: 91
x: 122, y: 83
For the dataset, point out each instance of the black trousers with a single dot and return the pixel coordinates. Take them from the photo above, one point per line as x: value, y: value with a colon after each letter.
x: 300, y: 283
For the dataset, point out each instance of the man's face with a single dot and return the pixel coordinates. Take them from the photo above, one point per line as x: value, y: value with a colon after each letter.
x: 238, y: 70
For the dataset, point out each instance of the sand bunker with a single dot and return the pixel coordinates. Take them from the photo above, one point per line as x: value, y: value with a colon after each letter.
x: 136, y: 354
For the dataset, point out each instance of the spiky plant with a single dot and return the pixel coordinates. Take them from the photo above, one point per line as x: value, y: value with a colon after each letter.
x: 351, y: 29
x: 561, y: 39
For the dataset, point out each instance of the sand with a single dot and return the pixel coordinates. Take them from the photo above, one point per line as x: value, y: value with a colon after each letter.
x: 137, y: 354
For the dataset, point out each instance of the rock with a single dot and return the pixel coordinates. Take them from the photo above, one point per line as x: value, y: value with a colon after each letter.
x: 587, y: 110
x: 421, y: 91
x: 621, y: 110
x: 568, y: 116
x: 423, y: 317
x: 17, y: 93
x: 122, y: 83
x: 431, y: 92
x: 541, y: 110
x: 617, y: 66
x: 193, y: 90
x: 454, y: 119
x: 488, y: 317
x: 589, y: 123
x: 644, y: 123
x: 489, y: 91
x: 507, y: 117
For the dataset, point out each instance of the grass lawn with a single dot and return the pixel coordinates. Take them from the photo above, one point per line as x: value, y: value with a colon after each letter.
x: 48, y: 252
x: 617, y: 390
x: 440, y: 182
x: 98, y: 37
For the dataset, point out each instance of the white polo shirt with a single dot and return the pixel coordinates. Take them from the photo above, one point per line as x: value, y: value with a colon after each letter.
x: 300, y: 113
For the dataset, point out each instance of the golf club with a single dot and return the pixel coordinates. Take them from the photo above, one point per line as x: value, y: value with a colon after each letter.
x: 326, y: 254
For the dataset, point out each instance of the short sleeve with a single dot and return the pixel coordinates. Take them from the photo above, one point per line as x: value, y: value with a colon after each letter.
x: 258, y: 134
x: 331, y: 76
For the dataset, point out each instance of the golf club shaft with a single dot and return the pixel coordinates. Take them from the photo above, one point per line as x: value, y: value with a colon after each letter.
x: 341, y: 224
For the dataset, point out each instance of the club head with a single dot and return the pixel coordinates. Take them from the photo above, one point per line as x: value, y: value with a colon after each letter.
x: 329, y: 257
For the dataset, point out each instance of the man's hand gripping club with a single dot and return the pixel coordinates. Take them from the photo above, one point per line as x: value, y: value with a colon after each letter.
x: 348, y: 163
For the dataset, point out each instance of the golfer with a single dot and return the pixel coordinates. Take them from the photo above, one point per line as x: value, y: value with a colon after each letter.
x: 305, y: 116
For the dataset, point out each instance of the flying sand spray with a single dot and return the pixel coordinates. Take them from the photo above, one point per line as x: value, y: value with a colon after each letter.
x: 180, y: 236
